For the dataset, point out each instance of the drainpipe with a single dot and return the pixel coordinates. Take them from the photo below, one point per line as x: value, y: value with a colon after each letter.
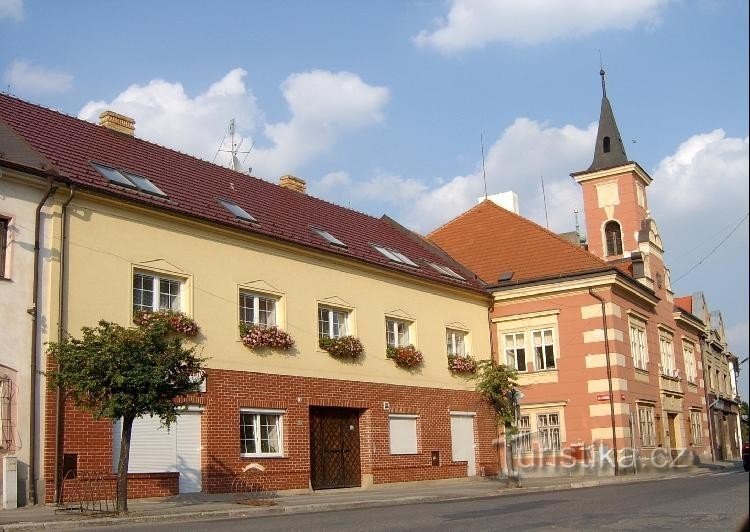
x: 34, y: 311
x: 706, y: 384
x: 59, y: 396
x: 609, y: 379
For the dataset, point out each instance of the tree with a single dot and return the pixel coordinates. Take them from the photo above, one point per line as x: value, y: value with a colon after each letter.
x: 126, y: 373
x: 745, y: 421
x: 498, y: 386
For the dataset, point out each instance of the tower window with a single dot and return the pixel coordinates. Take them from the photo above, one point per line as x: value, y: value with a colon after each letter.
x: 605, y: 144
x: 613, y: 237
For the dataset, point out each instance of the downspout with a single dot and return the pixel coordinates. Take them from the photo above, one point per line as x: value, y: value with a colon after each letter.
x: 59, y: 396
x: 609, y: 379
x: 34, y: 311
x: 706, y: 382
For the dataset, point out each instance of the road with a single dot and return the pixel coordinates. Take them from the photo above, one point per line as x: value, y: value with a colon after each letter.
x: 717, y: 501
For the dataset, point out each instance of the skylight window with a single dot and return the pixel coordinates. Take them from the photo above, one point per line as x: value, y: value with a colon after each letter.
x: 445, y: 270
x: 144, y: 184
x: 238, y: 211
x: 328, y: 237
x: 395, y: 256
x: 125, y: 179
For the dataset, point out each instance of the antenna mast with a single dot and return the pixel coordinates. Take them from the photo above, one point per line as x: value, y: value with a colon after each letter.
x: 578, y: 229
x: 234, y: 149
x: 484, y: 173
x: 544, y: 196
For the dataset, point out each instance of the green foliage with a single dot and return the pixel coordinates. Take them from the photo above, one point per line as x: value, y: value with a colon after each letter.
x: 344, y: 347
x: 745, y: 421
x: 116, y: 372
x: 497, y: 385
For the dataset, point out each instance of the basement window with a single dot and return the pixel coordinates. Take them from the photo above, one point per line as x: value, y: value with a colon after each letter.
x: 238, y: 211
x: 125, y: 179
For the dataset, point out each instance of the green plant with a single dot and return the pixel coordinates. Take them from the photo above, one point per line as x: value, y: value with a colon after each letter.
x: 462, y: 364
x: 125, y: 373
x: 497, y: 384
x: 342, y: 347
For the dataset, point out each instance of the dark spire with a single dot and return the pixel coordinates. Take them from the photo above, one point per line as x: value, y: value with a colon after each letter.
x: 609, y: 150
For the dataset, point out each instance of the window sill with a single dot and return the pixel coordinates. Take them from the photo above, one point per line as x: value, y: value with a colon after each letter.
x: 243, y: 455
x: 405, y: 454
x: 7, y: 279
x: 641, y: 370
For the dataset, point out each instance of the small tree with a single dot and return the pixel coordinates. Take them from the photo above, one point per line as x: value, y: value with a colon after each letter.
x: 498, y: 386
x: 126, y: 373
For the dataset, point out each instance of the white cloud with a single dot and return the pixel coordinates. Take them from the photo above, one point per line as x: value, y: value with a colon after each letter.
x: 12, y: 9
x: 335, y: 179
x: 25, y: 77
x: 476, y: 23
x: 707, y: 171
x: 323, y: 106
x: 164, y: 113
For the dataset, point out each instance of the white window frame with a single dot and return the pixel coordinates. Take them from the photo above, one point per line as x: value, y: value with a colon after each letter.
x: 550, y: 434
x: 511, y: 353
x: 666, y: 349
x: 343, y: 317
x: 400, y: 330
x: 257, y: 298
x: 523, y: 439
x: 543, y: 345
x: 156, y: 293
x: 696, y: 427
x: 256, y: 413
x: 455, y: 342
x: 688, y: 355
x: 646, y: 425
x: 639, y: 345
x: 403, y: 448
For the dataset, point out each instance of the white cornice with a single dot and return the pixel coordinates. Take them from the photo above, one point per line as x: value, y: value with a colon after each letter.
x: 635, y: 168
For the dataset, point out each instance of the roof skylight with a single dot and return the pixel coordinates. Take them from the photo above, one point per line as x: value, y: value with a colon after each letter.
x: 328, y: 237
x: 238, y: 211
x: 395, y: 256
x: 445, y: 270
x: 125, y: 179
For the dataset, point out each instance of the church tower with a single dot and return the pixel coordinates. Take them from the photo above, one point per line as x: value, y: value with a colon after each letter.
x: 618, y: 224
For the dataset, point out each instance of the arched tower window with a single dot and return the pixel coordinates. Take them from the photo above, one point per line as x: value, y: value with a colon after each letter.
x: 605, y: 144
x: 613, y: 238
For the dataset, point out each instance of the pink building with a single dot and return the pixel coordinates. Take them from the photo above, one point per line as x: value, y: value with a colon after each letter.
x: 609, y: 365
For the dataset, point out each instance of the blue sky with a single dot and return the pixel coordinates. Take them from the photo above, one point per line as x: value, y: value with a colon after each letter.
x: 380, y: 105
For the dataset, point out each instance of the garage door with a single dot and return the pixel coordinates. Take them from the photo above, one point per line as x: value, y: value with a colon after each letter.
x: 154, y: 449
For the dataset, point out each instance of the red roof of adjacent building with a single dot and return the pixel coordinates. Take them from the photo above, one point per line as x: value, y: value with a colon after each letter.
x: 685, y: 303
x: 492, y: 241
x: 193, y: 188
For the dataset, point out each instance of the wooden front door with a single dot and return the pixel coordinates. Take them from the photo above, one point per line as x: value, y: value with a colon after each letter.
x: 334, y: 448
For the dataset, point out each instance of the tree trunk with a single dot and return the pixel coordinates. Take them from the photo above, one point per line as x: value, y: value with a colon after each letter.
x: 122, y: 467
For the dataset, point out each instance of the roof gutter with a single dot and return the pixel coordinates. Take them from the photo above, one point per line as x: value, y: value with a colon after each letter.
x: 61, y: 333
x: 609, y: 379
x: 34, y: 311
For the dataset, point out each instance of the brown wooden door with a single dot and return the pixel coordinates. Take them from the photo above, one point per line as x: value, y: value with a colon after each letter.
x: 334, y: 448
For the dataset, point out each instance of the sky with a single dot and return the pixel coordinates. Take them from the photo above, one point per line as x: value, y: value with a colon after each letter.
x: 385, y: 107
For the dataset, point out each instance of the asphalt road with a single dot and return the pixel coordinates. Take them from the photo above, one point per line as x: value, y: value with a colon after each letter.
x: 717, y: 501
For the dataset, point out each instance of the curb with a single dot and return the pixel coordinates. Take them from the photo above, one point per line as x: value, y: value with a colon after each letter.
x: 328, y: 507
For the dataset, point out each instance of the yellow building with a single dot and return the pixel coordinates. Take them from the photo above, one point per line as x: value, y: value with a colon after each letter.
x: 145, y: 228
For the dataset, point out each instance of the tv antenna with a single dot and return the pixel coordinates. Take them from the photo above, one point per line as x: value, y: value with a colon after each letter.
x: 544, y: 197
x: 234, y: 149
x: 484, y: 173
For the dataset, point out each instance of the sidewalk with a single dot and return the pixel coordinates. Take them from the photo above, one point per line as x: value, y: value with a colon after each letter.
x: 203, y: 505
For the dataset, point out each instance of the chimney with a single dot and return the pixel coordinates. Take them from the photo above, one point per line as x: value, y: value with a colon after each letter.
x: 293, y: 183
x: 117, y: 122
x: 507, y: 200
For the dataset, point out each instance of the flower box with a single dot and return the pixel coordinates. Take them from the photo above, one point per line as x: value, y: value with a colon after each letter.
x: 344, y: 347
x: 175, y: 321
x: 462, y: 364
x: 406, y: 356
x: 257, y: 336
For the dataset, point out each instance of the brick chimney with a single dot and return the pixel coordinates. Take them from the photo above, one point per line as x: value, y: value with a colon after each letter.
x: 117, y: 122
x: 293, y: 183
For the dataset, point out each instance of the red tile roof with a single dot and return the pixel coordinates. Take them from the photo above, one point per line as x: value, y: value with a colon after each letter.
x: 685, y: 303
x: 491, y: 240
x: 193, y: 187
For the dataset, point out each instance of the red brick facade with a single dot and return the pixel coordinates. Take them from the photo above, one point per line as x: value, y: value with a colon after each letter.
x: 230, y: 391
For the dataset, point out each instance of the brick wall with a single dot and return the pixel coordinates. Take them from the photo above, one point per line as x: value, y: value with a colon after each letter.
x: 230, y: 391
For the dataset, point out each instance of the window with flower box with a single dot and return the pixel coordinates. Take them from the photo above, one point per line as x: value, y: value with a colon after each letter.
x: 455, y: 342
x: 332, y: 322
x: 397, y: 332
x: 257, y: 309
x: 154, y: 292
x: 261, y: 433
